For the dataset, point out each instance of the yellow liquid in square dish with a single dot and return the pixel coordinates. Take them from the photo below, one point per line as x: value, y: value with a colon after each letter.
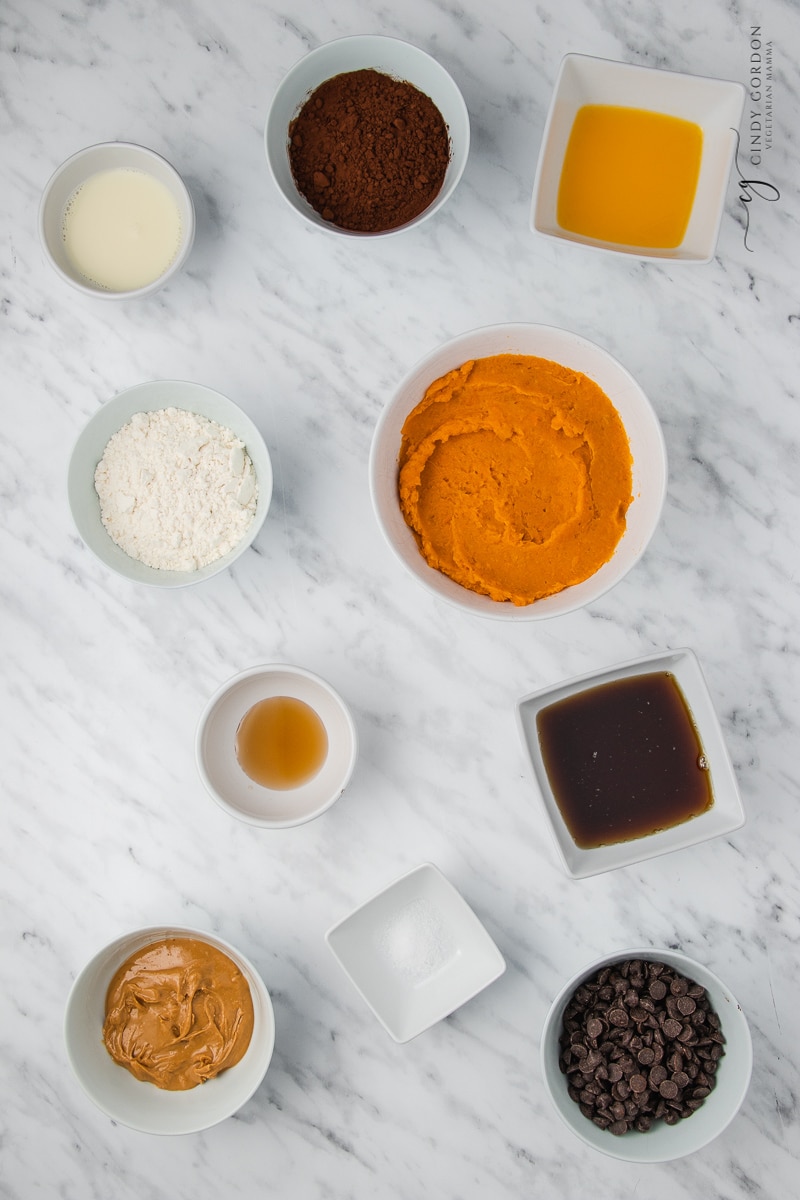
x: 629, y: 176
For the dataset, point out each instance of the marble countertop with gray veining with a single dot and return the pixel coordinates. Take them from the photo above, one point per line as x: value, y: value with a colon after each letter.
x: 107, y: 827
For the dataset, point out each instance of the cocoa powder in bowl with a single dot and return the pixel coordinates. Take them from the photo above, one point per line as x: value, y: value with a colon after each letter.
x: 368, y: 152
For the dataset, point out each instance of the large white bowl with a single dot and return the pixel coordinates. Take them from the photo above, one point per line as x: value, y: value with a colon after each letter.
x: 108, y: 156
x: 150, y: 397
x: 663, y: 1142
x: 713, y: 104
x: 392, y: 57
x: 215, y: 747
x: 641, y: 425
x: 142, y: 1105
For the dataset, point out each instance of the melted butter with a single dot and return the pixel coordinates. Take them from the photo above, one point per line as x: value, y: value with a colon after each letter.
x: 178, y: 1012
x: 630, y: 176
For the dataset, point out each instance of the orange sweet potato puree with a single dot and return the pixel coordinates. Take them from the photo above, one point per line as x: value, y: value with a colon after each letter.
x: 515, y: 476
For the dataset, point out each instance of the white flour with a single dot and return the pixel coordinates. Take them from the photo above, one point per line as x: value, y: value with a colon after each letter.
x: 177, y: 491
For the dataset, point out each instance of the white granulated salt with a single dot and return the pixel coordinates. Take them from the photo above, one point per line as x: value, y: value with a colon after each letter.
x: 177, y: 491
x: 415, y: 942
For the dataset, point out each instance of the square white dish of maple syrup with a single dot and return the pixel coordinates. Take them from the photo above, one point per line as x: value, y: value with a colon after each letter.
x: 610, y: 766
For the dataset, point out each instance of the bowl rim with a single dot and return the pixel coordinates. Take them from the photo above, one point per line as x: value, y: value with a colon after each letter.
x: 174, y: 267
x: 146, y: 936
x: 208, y: 713
x: 149, y: 391
x: 434, y: 582
x: 455, y: 169
x: 551, y: 1071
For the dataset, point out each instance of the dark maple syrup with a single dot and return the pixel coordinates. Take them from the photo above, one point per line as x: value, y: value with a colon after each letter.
x: 624, y: 760
x: 281, y: 742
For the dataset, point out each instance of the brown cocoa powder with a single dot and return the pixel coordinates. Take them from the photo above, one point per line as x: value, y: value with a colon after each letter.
x: 368, y: 152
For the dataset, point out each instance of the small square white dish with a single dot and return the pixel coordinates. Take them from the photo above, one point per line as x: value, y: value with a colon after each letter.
x: 725, y: 815
x: 415, y: 952
x: 714, y: 104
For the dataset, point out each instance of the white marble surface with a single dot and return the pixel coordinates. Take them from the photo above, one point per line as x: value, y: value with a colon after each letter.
x: 107, y: 827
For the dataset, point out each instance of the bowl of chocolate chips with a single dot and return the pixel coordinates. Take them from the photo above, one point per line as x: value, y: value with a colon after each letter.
x: 646, y: 1055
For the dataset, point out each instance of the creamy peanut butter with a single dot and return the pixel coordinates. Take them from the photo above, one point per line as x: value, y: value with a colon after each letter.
x: 178, y: 1012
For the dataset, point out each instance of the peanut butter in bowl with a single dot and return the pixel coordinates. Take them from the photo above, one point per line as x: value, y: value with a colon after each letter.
x: 178, y: 1012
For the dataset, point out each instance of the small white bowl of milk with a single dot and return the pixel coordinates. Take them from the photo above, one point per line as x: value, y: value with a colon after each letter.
x: 116, y: 221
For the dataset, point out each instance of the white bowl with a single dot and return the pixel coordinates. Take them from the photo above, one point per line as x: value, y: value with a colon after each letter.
x: 90, y: 446
x: 141, y: 1105
x: 713, y: 104
x: 75, y: 171
x: 415, y: 952
x: 663, y: 1142
x: 219, y: 767
x: 391, y: 57
x: 641, y: 425
x: 726, y: 813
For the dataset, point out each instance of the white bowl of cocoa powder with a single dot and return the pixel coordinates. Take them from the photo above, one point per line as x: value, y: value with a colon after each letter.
x: 367, y: 136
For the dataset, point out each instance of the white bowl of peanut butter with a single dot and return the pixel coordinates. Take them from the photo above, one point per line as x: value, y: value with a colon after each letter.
x: 169, y: 1030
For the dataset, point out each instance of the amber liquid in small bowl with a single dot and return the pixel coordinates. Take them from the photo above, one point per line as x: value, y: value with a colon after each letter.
x: 281, y: 743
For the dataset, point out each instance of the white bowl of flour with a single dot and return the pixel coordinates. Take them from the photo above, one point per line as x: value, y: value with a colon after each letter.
x: 169, y: 483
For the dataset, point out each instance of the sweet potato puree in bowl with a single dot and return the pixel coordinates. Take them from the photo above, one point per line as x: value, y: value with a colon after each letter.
x: 518, y: 472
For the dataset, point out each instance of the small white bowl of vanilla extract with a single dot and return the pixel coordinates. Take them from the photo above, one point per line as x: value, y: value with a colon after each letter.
x: 276, y: 746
